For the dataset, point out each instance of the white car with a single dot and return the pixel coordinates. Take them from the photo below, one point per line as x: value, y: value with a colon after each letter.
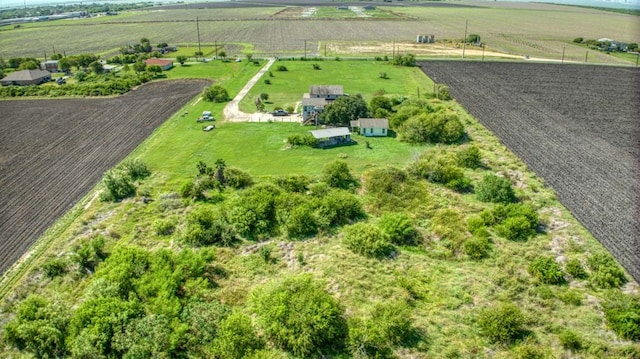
x: 208, y: 128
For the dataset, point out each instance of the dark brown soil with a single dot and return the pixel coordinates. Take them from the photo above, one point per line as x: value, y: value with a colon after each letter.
x: 577, y: 127
x: 53, y: 151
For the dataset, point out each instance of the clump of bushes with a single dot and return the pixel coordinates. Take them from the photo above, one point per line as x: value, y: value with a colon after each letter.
x: 336, y: 174
x: 119, y: 182
x: 439, y: 169
x: 495, y: 189
x: 55, y: 267
x: 570, y: 340
x: 204, y: 228
x: 469, y: 157
x: 438, y: 127
x: 404, y: 60
x: 281, y: 68
x: 216, y: 93
x: 164, y: 227
x: 296, y: 314
x: 398, y: 227
x: 575, y: 269
x: 387, y: 326
x: 368, y: 240
x: 503, y: 324
x: 622, y: 312
x: 515, y: 221
x: 477, y: 247
x: 605, y: 271
x: 302, y: 140
x: 546, y: 270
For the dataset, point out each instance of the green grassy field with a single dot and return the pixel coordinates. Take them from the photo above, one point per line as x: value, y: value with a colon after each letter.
x: 362, y: 77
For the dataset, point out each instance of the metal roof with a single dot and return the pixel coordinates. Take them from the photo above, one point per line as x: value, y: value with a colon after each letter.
x: 26, y: 75
x: 314, y: 102
x: 331, y: 132
x: 373, y: 123
x: 326, y: 90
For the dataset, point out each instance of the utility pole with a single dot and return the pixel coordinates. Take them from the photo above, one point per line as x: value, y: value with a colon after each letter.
x: 325, y: 50
x: 216, y: 45
x: 464, y: 43
x: 393, y: 51
x: 586, y: 55
x: 482, y: 52
x: 198, y: 30
x: 637, y: 57
x: 562, y: 61
x: 305, y: 49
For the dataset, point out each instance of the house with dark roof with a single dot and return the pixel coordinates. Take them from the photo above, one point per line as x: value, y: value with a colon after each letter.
x: 327, y: 92
x: 163, y: 63
x: 314, y: 102
x: 371, y: 127
x: 26, y: 77
x: 332, y: 136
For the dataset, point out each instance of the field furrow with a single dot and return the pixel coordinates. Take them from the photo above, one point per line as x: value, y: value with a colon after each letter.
x: 575, y: 126
x: 54, y: 151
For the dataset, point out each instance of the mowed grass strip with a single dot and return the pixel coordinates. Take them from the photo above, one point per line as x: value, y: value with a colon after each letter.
x: 356, y: 77
x: 260, y: 149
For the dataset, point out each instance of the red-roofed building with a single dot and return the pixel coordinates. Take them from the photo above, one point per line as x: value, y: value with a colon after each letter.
x: 163, y: 63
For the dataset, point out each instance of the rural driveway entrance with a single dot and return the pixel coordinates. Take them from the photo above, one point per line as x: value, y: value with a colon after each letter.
x: 231, y: 111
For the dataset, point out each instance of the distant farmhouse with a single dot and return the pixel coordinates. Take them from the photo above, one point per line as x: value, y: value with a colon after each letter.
x: 612, y: 45
x: 317, y: 98
x: 51, y: 65
x: 26, y: 77
x: 371, y: 127
x: 163, y: 63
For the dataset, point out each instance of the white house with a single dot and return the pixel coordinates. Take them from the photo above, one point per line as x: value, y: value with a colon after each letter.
x: 371, y: 127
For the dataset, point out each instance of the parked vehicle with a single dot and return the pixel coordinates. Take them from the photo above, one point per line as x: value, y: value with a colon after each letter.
x: 280, y: 113
x: 208, y: 128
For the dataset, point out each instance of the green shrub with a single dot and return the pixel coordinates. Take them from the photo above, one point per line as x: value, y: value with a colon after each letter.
x: 302, y: 140
x: 236, y: 338
x: 88, y: 253
x: 475, y: 223
x: 575, y: 269
x: 622, y: 312
x: 546, y: 270
x: 469, y: 157
x: 477, y: 247
x: 441, y: 170
x: 237, y: 178
x: 570, y: 340
x: 55, y: 267
x: 216, y: 93
x: 515, y: 229
x: 253, y: 212
x: 281, y: 68
x: 38, y: 328
x: 336, y: 174
x: 495, y: 189
x: 336, y: 208
x: 296, y: 314
x: 135, y: 168
x: 301, y: 222
x: 398, y: 227
x: 186, y: 190
x: 571, y: 297
x: 206, y: 228
x: 502, y: 324
x: 528, y: 351
x: 294, y: 183
x: 388, y: 180
x: 368, y: 240
x: 118, y: 184
x: 164, y: 227
x: 605, y: 271
x: 431, y: 128
x: 387, y: 326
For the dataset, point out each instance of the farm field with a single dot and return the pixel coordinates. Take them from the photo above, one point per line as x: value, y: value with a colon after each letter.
x: 52, y: 152
x: 574, y: 127
x: 513, y: 30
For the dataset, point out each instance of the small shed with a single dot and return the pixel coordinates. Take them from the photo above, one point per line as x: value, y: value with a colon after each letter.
x: 26, y: 77
x: 332, y: 136
x: 371, y: 127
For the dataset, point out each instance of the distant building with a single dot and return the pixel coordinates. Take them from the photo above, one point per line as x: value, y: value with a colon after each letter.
x: 26, y: 77
x: 163, y: 63
x: 343, y: 7
x: 332, y: 136
x: 369, y: 7
x: 371, y: 127
x: 314, y: 102
x: 425, y: 39
x: 51, y: 65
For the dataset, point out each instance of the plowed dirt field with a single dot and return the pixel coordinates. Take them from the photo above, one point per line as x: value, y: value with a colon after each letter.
x: 53, y: 151
x: 577, y: 127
